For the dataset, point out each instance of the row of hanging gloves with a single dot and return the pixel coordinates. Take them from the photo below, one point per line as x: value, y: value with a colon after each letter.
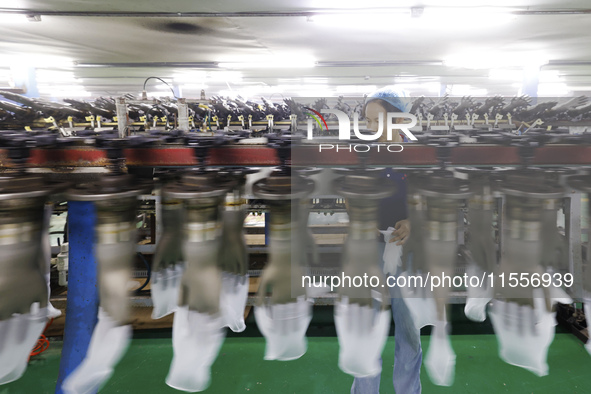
x: 200, y: 271
x: 24, y: 284
x: 523, y: 316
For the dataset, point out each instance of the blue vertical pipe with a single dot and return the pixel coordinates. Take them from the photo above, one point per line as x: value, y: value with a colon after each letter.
x: 83, y: 295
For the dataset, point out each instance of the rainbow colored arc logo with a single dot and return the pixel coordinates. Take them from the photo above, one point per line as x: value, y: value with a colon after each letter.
x: 316, y: 117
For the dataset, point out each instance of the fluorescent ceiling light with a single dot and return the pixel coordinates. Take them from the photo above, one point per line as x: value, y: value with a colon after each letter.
x: 356, y: 89
x: 580, y: 88
x: 550, y: 76
x: 350, y: 4
x: 467, y: 90
x: 488, y: 59
x: 385, y: 19
x: 314, y: 80
x: 434, y: 87
x: 193, y: 86
x: 497, y: 74
x: 315, y: 91
x: 553, y: 89
x: 290, y: 87
x: 273, y: 62
x: 424, y: 18
x: 415, y: 79
x: 225, y: 76
x: 5, y: 74
x: 200, y: 77
x: 38, y: 60
x: 54, y: 76
x: 190, y: 76
x: 10, y: 18
x: 465, y: 18
x: 252, y: 92
x: 303, y: 81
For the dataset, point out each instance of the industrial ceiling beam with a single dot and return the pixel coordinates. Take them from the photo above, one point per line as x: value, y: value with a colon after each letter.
x: 254, y: 14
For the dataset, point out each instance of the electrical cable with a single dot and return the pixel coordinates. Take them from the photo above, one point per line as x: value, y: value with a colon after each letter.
x: 149, y: 269
x: 161, y: 80
x: 42, y: 343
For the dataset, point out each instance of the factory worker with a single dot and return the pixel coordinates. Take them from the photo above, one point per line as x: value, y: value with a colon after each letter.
x: 392, y: 213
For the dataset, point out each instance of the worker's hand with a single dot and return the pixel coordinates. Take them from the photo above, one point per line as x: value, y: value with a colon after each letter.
x: 401, y: 233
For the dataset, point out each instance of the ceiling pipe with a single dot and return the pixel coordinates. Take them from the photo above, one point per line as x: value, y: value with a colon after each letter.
x: 254, y: 14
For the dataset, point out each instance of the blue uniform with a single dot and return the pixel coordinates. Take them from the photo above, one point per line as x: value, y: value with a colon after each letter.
x: 408, y: 354
x: 393, y: 209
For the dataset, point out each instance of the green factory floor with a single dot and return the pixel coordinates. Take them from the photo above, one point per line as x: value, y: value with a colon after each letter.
x: 240, y: 368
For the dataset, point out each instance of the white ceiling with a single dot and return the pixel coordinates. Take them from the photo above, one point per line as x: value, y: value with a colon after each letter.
x: 355, y: 48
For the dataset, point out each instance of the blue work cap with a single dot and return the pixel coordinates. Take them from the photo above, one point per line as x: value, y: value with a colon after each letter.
x: 393, y: 96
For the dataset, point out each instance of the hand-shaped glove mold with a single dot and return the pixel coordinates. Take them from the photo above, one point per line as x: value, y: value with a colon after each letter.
x: 23, y: 287
x: 284, y: 318
x: 482, y: 252
x: 234, y: 262
x: 115, y: 251
x: 22, y: 282
x: 168, y: 263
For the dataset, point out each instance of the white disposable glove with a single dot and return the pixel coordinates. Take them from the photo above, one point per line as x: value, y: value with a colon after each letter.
x: 440, y: 361
x: 168, y: 263
x: 284, y: 327
x: 196, y: 341
x: 107, y: 346
x: 362, y: 333
x: 18, y: 337
x: 588, y: 316
x: 164, y: 288
x: 478, y: 297
x: 45, y: 259
x: 392, y: 253
x: 420, y: 302
x: 233, y: 300
x: 524, y: 332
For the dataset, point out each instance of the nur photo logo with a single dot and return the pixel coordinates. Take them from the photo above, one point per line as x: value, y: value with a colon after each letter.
x: 392, y: 120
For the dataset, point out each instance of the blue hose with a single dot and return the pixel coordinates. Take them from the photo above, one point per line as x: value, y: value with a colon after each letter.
x: 83, y: 294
